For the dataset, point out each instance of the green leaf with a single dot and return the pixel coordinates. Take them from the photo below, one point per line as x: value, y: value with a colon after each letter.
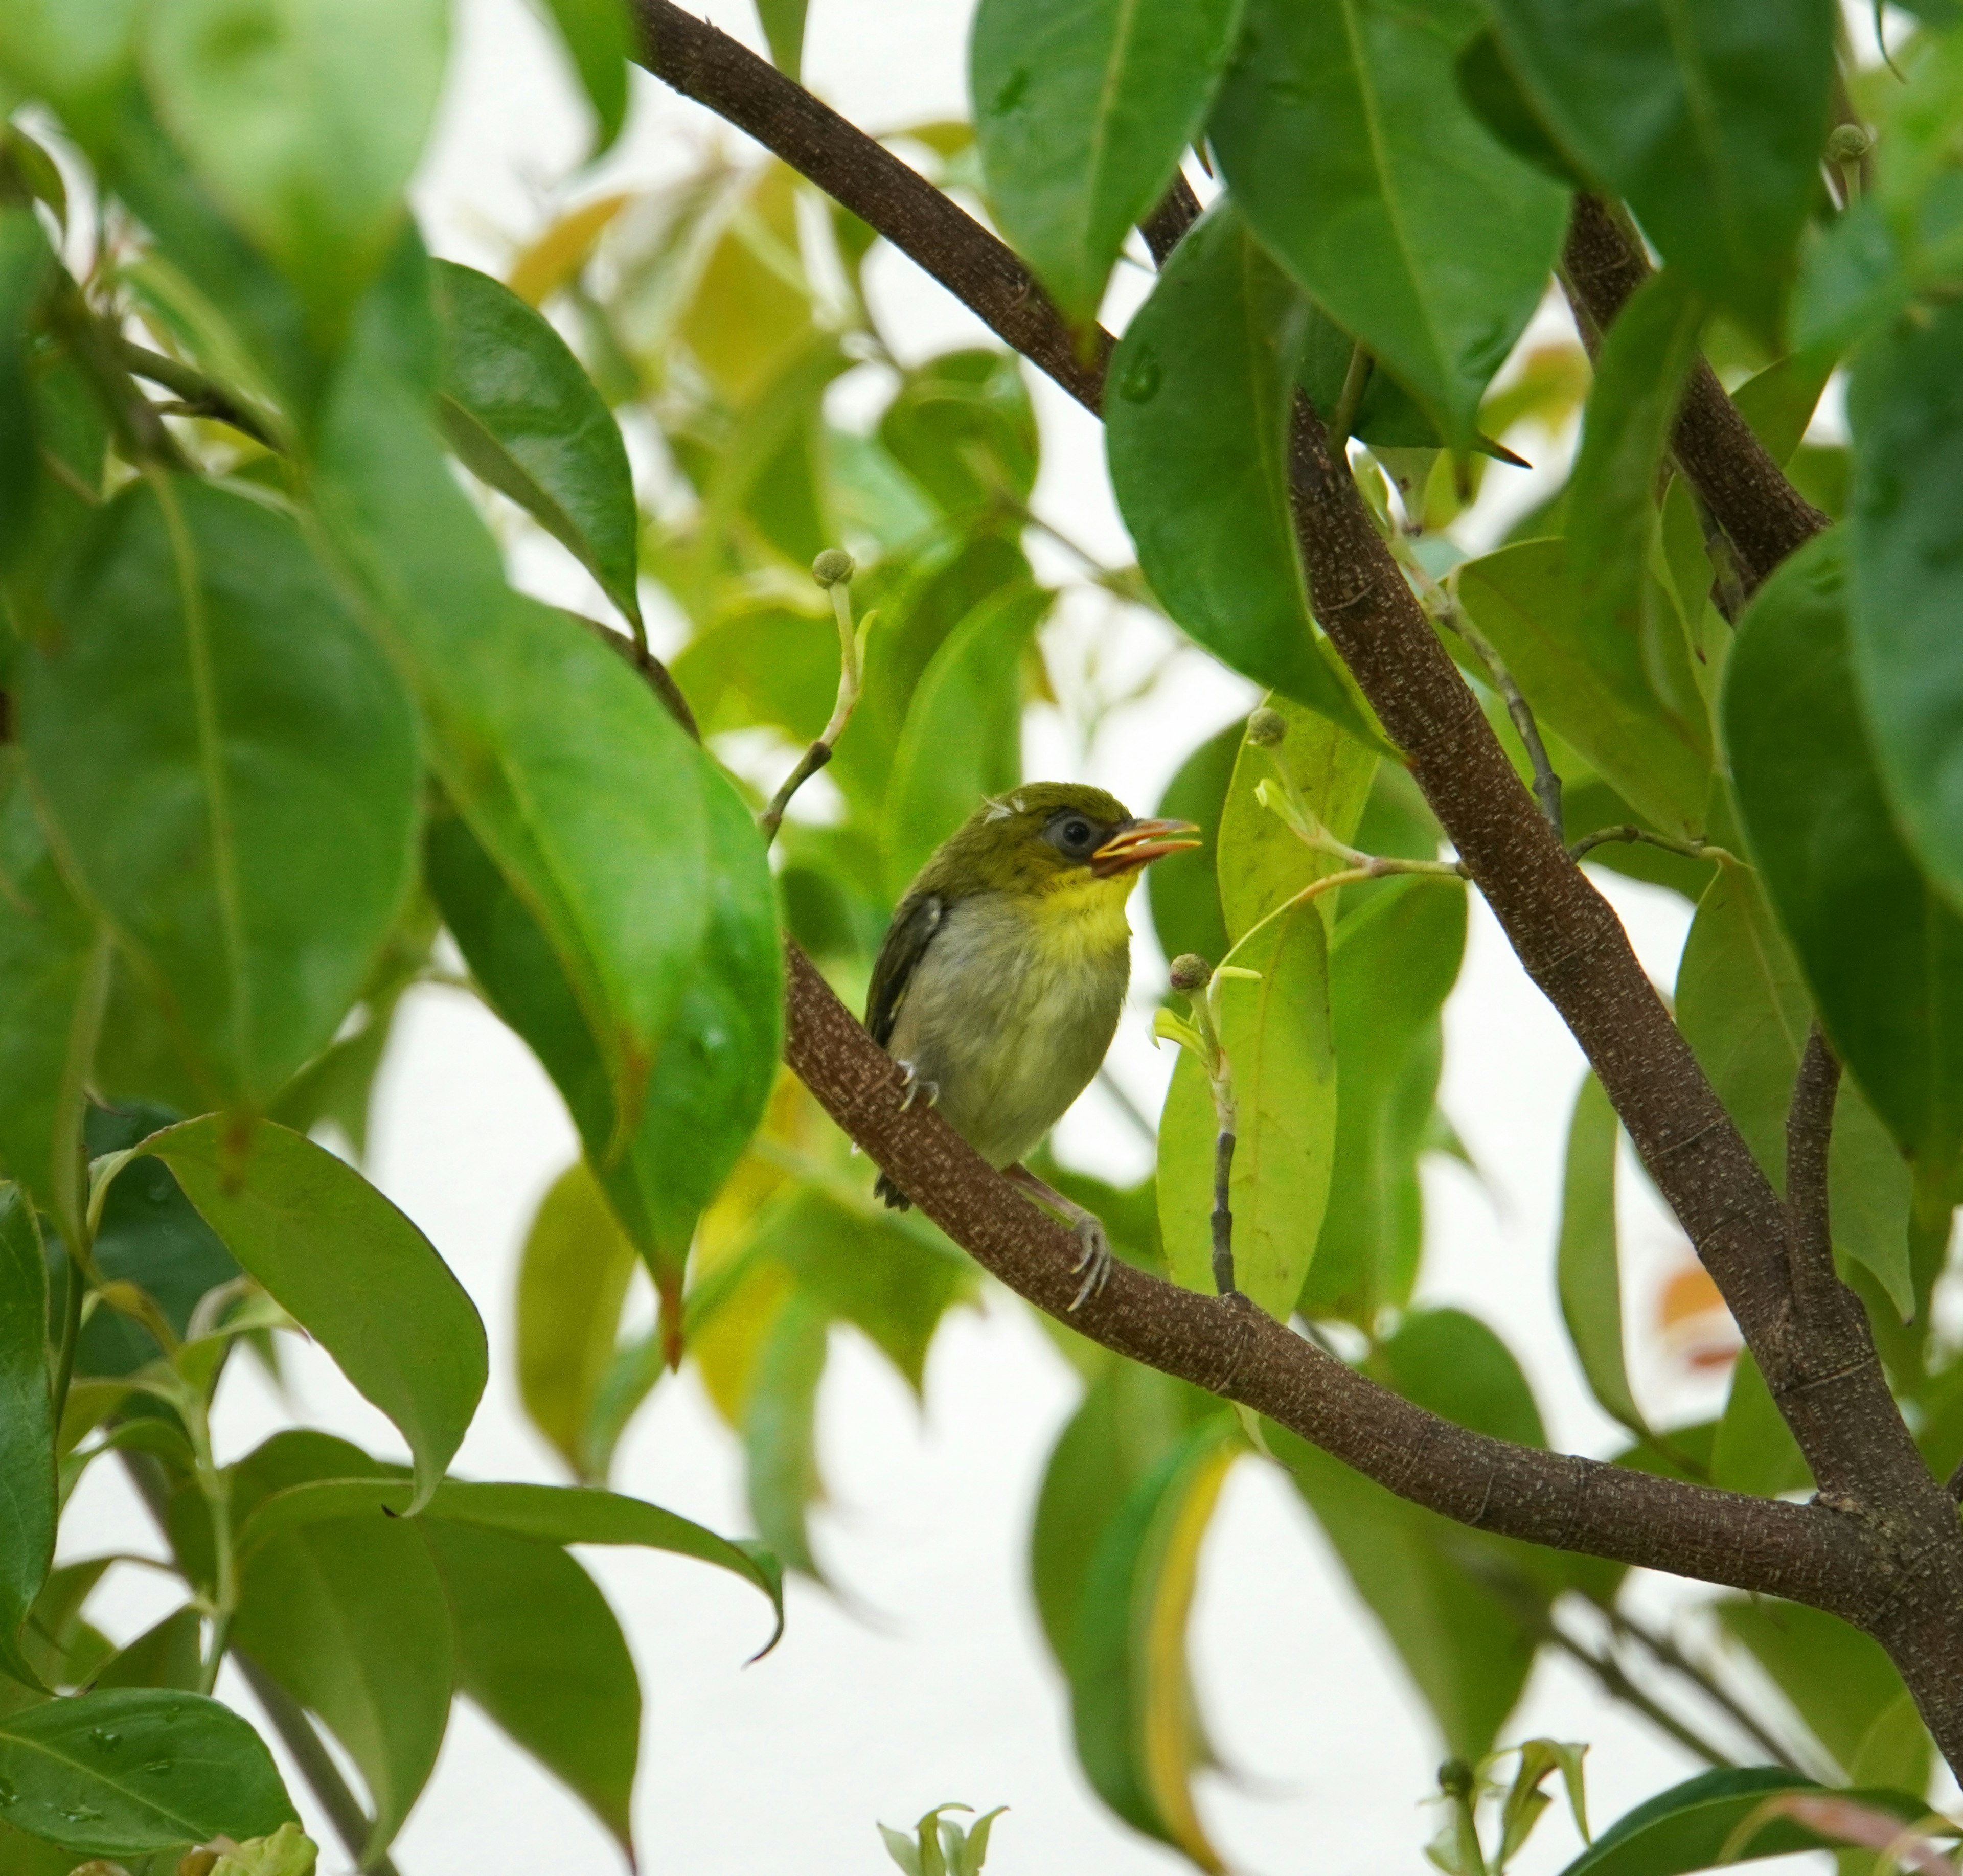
x: 1589, y: 1262
x: 253, y: 843
x: 1493, y: 96
x: 1710, y: 123
x: 1624, y: 698
x: 521, y: 413
x: 780, y: 1433
x: 1181, y: 889
x: 1755, y: 1451
x: 123, y: 1772
x: 572, y: 1279
x: 599, y: 37
x: 1132, y: 1703
x: 539, y: 1649
x: 1454, y: 1364
x: 1261, y: 862
x: 1879, y: 949
x: 27, y: 1508
x: 1743, y: 1007
x: 1082, y: 114
x: 1196, y: 437
x: 349, y: 1616
x: 963, y: 736
x: 1342, y: 131
x: 305, y: 118
x: 1904, y: 407
x: 1277, y: 1035
x: 586, y: 793
x: 1896, y: 1751
x: 25, y: 267
x: 324, y: 1243
x: 1390, y: 968
x: 54, y: 972
x: 961, y: 426
x: 78, y: 58
x: 166, y: 1654
x: 783, y: 31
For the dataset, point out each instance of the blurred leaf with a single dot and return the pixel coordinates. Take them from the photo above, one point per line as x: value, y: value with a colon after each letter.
x: 599, y: 38
x: 1744, y: 1009
x: 1258, y: 859
x: 769, y: 666
x: 521, y: 413
x: 1879, y: 948
x: 305, y: 118
x: 572, y: 1278
x: 1082, y: 114
x: 1197, y: 439
x: 1390, y: 968
x: 73, y: 439
x: 1896, y: 1751
x: 78, y: 58
x: 165, y: 1654
x: 1493, y: 96
x: 1778, y: 402
x: 1181, y: 889
x: 1710, y: 125
x: 963, y: 736
x: 1589, y: 1262
x: 556, y: 256
x: 1131, y: 1698
x: 783, y: 31
x: 120, y: 1773
x: 26, y: 1427
x: 253, y: 845
x: 780, y: 1432
x: 350, y: 1617
x: 751, y: 309
x: 325, y: 1243
x: 539, y: 1649
x: 1342, y: 132
x: 1597, y: 681
x: 1454, y: 1364
x: 962, y: 426
x: 26, y: 266
x: 1755, y: 1451
x: 1277, y: 1035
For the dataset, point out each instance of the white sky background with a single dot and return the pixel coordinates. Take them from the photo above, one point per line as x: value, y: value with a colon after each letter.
x: 934, y: 1684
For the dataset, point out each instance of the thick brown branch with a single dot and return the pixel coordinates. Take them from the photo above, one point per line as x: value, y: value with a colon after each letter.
x: 1809, y: 1134
x: 1764, y: 517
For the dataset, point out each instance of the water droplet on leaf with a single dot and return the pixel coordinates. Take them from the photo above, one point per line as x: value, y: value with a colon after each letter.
x: 1141, y: 379
x: 102, y: 1740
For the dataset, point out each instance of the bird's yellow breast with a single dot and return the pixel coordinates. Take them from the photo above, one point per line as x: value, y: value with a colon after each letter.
x: 1081, y: 916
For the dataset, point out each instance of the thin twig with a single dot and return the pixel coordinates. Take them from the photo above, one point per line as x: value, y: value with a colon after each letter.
x: 200, y: 397
x: 1627, y: 833
x: 1662, y: 1648
x: 833, y: 571
x: 1615, y: 1681
x: 1350, y: 399
x: 1546, y: 783
x: 660, y: 679
x: 1223, y: 1219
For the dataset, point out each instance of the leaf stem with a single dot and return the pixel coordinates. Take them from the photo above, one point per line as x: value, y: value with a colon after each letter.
x: 833, y: 570
x: 1546, y: 782
x: 1690, y: 850
x: 1350, y: 399
x: 1662, y: 1649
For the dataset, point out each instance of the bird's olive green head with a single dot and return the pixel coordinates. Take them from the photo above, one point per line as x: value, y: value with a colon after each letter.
x: 1047, y: 835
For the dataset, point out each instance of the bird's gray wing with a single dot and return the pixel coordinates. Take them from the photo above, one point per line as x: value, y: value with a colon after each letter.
x: 915, y: 922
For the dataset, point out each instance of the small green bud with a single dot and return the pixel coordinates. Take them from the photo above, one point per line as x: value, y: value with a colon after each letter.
x: 1267, y: 729
x: 1190, y: 972
x: 200, y: 1861
x: 834, y: 567
x: 1455, y: 1778
x: 1848, y: 143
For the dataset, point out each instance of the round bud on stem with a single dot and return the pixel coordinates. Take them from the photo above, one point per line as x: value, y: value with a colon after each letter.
x: 1190, y: 973
x: 1848, y: 143
x: 1267, y: 729
x: 1455, y: 1778
x: 834, y: 567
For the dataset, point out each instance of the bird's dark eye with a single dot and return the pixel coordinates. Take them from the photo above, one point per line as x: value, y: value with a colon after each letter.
x: 1076, y: 833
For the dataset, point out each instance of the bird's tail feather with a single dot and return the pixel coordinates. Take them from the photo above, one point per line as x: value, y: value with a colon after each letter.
x: 896, y: 1200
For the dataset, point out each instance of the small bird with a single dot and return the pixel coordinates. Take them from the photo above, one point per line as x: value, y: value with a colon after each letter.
x: 1002, y: 977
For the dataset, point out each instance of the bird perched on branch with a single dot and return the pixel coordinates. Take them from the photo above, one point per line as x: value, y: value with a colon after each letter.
x: 1000, y: 984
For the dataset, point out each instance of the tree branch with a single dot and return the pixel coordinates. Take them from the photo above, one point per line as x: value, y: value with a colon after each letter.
x: 1809, y: 1134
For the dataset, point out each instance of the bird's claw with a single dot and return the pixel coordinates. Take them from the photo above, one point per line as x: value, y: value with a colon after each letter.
x: 1094, y: 1260
x: 915, y: 1086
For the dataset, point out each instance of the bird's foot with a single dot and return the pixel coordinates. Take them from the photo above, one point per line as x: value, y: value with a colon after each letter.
x: 916, y: 1085
x: 1094, y: 1259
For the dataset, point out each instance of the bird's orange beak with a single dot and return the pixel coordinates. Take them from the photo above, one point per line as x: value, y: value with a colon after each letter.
x: 1139, y: 842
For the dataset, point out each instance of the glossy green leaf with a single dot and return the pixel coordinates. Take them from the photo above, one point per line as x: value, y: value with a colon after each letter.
x: 539, y: 1649
x: 572, y: 1279
x: 1390, y: 968
x: 1624, y: 698
x: 784, y: 30
x: 1181, y: 889
x: 350, y: 1617
x: 1342, y: 131
x: 27, y: 1509
x: 1131, y: 1701
x: 599, y: 37
x: 1906, y: 410
x: 961, y: 426
x: 305, y: 118
x: 1693, y: 1826
x: 1743, y: 1007
x: 1755, y: 1451
x: 1710, y: 123
x: 1082, y: 114
x: 1278, y: 1037
x: 520, y: 411
x: 253, y: 843
x: 1196, y: 437
x: 325, y: 1243
x: 1881, y: 952
x: 1589, y: 1264
x: 123, y: 1772
x: 1259, y: 861
x: 586, y: 793
x: 963, y: 735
